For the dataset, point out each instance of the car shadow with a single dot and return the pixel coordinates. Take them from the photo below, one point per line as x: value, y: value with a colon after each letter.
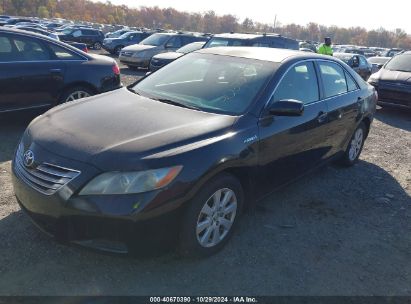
x: 138, y: 73
x: 396, y: 117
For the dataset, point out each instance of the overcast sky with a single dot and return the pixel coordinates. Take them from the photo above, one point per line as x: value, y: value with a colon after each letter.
x: 345, y: 13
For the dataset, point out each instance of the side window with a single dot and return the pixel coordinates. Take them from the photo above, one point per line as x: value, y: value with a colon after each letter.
x: 363, y: 61
x: 30, y: 50
x: 89, y: 32
x: 333, y: 79
x: 186, y: 40
x: 174, y: 42
x: 300, y: 83
x: 6, y: 50
x: 63, y: 54
x: 77, y: 33
x: 351, y: 84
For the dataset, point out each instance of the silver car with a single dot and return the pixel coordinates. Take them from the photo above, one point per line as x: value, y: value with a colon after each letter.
x: 139, y: 55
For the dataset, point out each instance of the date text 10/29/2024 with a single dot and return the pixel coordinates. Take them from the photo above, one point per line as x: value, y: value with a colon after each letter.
x: 203, y: 300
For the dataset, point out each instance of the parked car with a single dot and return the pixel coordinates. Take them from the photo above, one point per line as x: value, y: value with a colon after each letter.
x: 377, y: 63
x: 393, y: 81
x: 392, y: 52
x: 353, y: 51
x: 357, y: 62
x: 160, y: 60
x: 93, y: 38
x: 115, y: 45
x: 260, y: 40
x: 39, y: 31
x: 117, y: 33
x: 139, y: 55
x: 39, y: 72
x: 13, y: 21
x: 176, y: 157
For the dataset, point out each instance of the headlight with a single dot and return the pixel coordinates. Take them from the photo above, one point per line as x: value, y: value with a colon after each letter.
x: 130, y: 182
x: 140, y: 54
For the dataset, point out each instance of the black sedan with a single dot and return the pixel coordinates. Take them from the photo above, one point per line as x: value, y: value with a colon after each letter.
x: 180, y: 154
x: 393, y: 81
x: 357, y: 62
x: 160, y: 60
x: 39, y: 72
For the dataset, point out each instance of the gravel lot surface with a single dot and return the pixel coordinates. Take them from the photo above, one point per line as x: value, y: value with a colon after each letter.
x: 335, y: 232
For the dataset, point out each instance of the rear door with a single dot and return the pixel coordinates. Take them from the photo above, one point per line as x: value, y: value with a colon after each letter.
x: 29, y: 75
x: 343, y: 98
x: 290, y: 146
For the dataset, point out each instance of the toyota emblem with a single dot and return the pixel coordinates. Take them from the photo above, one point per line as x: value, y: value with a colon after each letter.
x: 28, y: 158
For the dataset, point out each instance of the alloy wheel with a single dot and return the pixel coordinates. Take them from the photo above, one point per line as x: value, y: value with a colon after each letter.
x: 216, y: 217
x: 77, y: 95
x: 356, y: 144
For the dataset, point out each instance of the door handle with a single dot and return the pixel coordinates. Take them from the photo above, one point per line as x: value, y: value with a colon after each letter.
x: 55, y: 71
x: 322, y: 117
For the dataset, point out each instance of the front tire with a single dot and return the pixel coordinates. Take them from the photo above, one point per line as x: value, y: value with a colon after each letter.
x: 353, y: 151
x: 210, y: 219
x: 97, y: 45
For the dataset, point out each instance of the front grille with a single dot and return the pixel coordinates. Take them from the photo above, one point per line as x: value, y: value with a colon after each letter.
x: 45, y: 178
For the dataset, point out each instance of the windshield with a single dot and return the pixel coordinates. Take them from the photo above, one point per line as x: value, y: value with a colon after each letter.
x: 399, y: 63
x: 190, y: 47
x: 214, y: 42
x: 207, y: 82
x: 155, y: 39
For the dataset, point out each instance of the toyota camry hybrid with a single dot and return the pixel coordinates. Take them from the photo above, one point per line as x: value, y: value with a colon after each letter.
x: 176, y: 157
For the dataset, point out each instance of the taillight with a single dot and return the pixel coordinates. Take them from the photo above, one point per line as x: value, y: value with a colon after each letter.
x: 85, y: 50
x: 116, y: 69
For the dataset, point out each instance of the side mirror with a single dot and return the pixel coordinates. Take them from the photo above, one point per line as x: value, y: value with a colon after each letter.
x: 287, y: 107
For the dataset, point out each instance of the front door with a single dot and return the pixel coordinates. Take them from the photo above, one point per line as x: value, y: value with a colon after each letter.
x: 290, y: 146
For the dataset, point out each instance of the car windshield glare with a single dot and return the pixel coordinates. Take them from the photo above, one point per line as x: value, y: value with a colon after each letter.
x: 399, y: 63
x: 213, y: 83
x: 155, y: 40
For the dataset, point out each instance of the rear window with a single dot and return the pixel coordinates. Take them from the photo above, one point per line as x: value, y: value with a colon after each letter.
x: 400, y: 63
x: 214, y: 42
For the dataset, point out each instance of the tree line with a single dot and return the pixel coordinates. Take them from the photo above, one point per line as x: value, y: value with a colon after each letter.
x: 208, y: 22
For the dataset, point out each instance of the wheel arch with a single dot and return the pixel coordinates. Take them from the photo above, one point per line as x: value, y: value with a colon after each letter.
x: 77, y: 84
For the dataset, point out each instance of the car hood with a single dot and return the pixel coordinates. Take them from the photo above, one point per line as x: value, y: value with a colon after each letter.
x: 116, y: 130
x: 138, y: 47
x: 394, y: 76
x: 168, y: 56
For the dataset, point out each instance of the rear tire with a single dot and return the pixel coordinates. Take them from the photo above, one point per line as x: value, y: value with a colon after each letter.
x: 354, y: 149
x: 75, y: 93
x: 210, y: 219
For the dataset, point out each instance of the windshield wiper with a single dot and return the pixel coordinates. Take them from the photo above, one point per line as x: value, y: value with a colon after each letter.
x: 175, y: 103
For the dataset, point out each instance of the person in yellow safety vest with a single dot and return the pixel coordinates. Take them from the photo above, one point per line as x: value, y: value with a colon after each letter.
x: 325, y: 48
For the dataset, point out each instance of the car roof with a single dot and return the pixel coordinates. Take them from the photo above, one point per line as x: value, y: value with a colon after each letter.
x: 261, y: 53
x: 40, y: 36
x: 244, y: 36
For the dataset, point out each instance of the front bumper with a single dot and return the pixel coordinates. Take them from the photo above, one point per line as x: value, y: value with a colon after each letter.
x: 72, y: 218
x: 135, y: 61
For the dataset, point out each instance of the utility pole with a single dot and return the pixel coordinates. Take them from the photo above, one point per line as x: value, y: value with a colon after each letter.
x: 275, y: 21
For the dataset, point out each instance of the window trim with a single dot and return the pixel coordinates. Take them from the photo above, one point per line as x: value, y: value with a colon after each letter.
x: 319, y: 78
x: 282, y: 77
x: 43, y: 42
x: 322, y: 83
